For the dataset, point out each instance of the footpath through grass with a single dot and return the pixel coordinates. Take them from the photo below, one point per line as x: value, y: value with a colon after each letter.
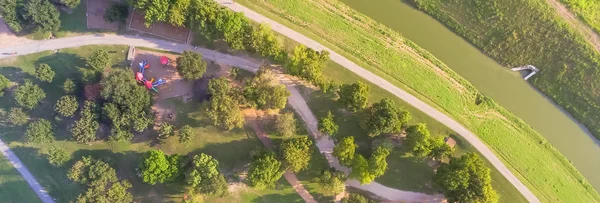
x: 384, y: 52
x: 588, y: 10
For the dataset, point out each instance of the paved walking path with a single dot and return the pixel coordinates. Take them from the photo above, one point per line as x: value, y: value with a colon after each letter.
x: 288, y: 175
x: 412, y: 100
x: 33, y: 183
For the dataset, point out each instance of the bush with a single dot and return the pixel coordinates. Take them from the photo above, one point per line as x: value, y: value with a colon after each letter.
x: 69, y: 86
x: 58, y: 156
x: 99, y: 60
x: 285, y: 124
x: 66, y: 105
x: 17, y: 117
x: 166, y: 130
x: 4, y: 83
x: 327, y: 124
x: 85, y: 128
x: 296, y: 153
x: 186, y: 134
x: 118, y: 12
x: 44, y: 73
x: 190, y: 65
x: 40, y: 132
x: 264, y: 171
x: 29, y: 95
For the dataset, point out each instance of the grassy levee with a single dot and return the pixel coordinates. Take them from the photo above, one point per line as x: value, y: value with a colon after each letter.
x: 587, y: 10
x: 384, y: 52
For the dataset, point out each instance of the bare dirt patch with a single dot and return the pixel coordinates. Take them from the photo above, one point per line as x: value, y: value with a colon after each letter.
x: 8, y: 38
x: 95, y: 15
x: 160, y: 29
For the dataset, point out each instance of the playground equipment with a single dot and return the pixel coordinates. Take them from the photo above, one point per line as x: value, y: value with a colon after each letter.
x: 149, y: 84
x: 164, y: 61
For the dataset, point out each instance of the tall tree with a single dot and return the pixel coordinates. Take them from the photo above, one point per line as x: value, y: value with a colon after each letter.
x: 266, y: 43
x: 264, y: 171
x: 154, y: 167
x: 327, y: 124
x: 17, y: 117
x: 178, y: 12
x: 190, y: 65
x: 222, y: 110
x: 58, y: 156
x: 265, y: 92
x: 385, y: 117
x: 44, y: 73
x: 40, y: 131
x: 307, y: 63
x: 344, y: 150
x: 234, y: 27
x: 296, y: 153
x: 42, y: 14
x: 331, y: 182
x: 361, y: 170
x: 66, y: 105
x: 85, y: 128
x: 354, y: 96
x: 418, y: 140
x: 204, y: 176
x: 285, y: 124
x: 466, y: 179
x: 186, y: 134
x: 29, y: 95
x: 99, y: 60
x: 439, y: 148
x: 377, y: 161
x: 154, y: 10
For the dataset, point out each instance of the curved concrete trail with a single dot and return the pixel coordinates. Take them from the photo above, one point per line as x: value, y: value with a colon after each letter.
x: 324, y: 143
x: 412, y: 100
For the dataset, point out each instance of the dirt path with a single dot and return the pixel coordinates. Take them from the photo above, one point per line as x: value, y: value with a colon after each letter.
x: 587, y: 32
x: 289, y: 176
x: 7, y: 38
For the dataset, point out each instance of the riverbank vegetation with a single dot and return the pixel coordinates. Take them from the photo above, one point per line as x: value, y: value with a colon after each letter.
x: 382, y: 51
x: 588, y: 10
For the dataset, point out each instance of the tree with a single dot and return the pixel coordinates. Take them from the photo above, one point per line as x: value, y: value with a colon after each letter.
x: 285, y: 124
x: 70, y: 3
x: 29, y: 95
x: 222, y: 110
x: 418, y: 140
x: 58, y: 156
x: 296, y: 153
x: 69, y: 86
x: 234, y: 27
x: 354, y: 96
x: 307, y: 63
x: 384, y: 117
x: 327, y: 124
x: 17, y: 117
x: 356, y: 198
x: 154, y: 10
x: 186, y: 134
x: 190, y: 65
x: 465, y: 179
x: 377, y: 161
x: 439, y: 148
x: 66, y: 105
x: 117, y: 12
x: 178, y: 12
x: 344, y: 150
x: 4, y: 83
x: 42, y: 15
x: 361, y: 170
x: 166, y: 130
x: 85, y: 128
x: 266, y: 43
x: 331, y: 182
x: 40, y: 131
x: 265, y: 92
x: 101, y: 180
x: 204, y: 176
x: 99, y: 60
x: 154, y: 167
x: 264, y: 171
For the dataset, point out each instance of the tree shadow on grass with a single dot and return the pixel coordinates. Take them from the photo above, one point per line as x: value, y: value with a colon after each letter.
x: 406, y: 172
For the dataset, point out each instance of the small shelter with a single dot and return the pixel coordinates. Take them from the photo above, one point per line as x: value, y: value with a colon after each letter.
x: 450, y: 142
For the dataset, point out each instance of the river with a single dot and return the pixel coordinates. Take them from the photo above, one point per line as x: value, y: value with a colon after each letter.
x: 493, y: 80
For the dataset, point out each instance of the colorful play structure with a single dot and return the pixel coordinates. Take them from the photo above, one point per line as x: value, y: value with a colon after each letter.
x: 149, y: 84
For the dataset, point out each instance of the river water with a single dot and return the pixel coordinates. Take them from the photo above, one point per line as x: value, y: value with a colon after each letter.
x: 493, y: 80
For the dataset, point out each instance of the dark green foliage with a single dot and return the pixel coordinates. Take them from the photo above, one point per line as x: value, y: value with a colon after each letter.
x: 186, y: 134
x: 354, y: 96
x: 41, y: 15
x: 264, y: 171
x: 11, y: 11
x: 58, y: 156
x: 357, y: 198
x: 17, y: 117
x: 101, y: 181
x: 234, y: 27
x: 327, y: 124
x: 70, y: 3
x: 118, y: 12
x: 127, y: 104
x: 190, y: 65
x: 166, y: 130
x: 66, y: 105
x: 204, y: 176
x: 222, y: 109
x: 69, y: 86
x: 85, y: 128
x: 154, y: 10
x: 307, y: 63
x: 265, y: 92
x: 99, y: 60
x: 178, y: 12
x: 418, y: 140
x: 296, y: 153
x: 439, y: 148
x: 285, y: 124
x: 40, y: 131
x: 29, y: 95
x: 156, y: 167
x: 360, y: 170
x: 385, y: 117
x: 331, y: 182
x: 344, y: 150
x: 465, y: 179
x: 4, y: 83
x: 266, y: 43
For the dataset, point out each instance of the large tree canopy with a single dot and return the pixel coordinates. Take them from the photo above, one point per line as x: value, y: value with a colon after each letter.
x: 235, y: 28
x: 264, y: 170
x: 85, y: 128
x: 344, y: 150
x: 385, y: 117
x: 40, y: 131
x: 354, y: 96
x: 418, y: 140
x: 178, y: 12
x: 296, y: 153
x: 222, y: 109
x: 29, y: 95
x: 66, y: 105
x: 265, y: 92
x: 101, y: 180
x: 42, y: 15
x: 190, y: 65
x: 331, y: 182
x: 466, y: 179
x: 307, y: 63
x: 154, y: 10
x: 327, y: 124
x: 154, y: 167
x: 204, y: 176
x: 44, y: 73
x: 99, y: 60
x: 266, y: 43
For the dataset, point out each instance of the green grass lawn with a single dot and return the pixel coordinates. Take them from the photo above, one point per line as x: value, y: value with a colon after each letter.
x: 232, y: 149
x: 384, y: 52
x: 588, y: 10
x: 13, y: 188
x: 74, y: 23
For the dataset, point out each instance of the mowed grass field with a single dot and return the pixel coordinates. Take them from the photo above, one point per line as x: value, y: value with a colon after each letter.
x: 384, y: 52
x: 232, y: 149
x: 587, y: 10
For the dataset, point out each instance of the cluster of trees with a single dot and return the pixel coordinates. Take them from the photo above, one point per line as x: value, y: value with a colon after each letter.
x: 264, y: 91
x: 422, y: 144
x: 101, y: 181
x: 30, y: 15
x: 465, y: 179
x: 84, y: 129
x: 363, y: 170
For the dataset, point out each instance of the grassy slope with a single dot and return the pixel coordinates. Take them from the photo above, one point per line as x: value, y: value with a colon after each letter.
x: 588, y: 10
x: 539, y: 165
x: 232, y: 149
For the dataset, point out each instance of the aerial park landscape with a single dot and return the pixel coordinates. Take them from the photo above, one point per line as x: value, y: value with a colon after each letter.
x: 298, y: 101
